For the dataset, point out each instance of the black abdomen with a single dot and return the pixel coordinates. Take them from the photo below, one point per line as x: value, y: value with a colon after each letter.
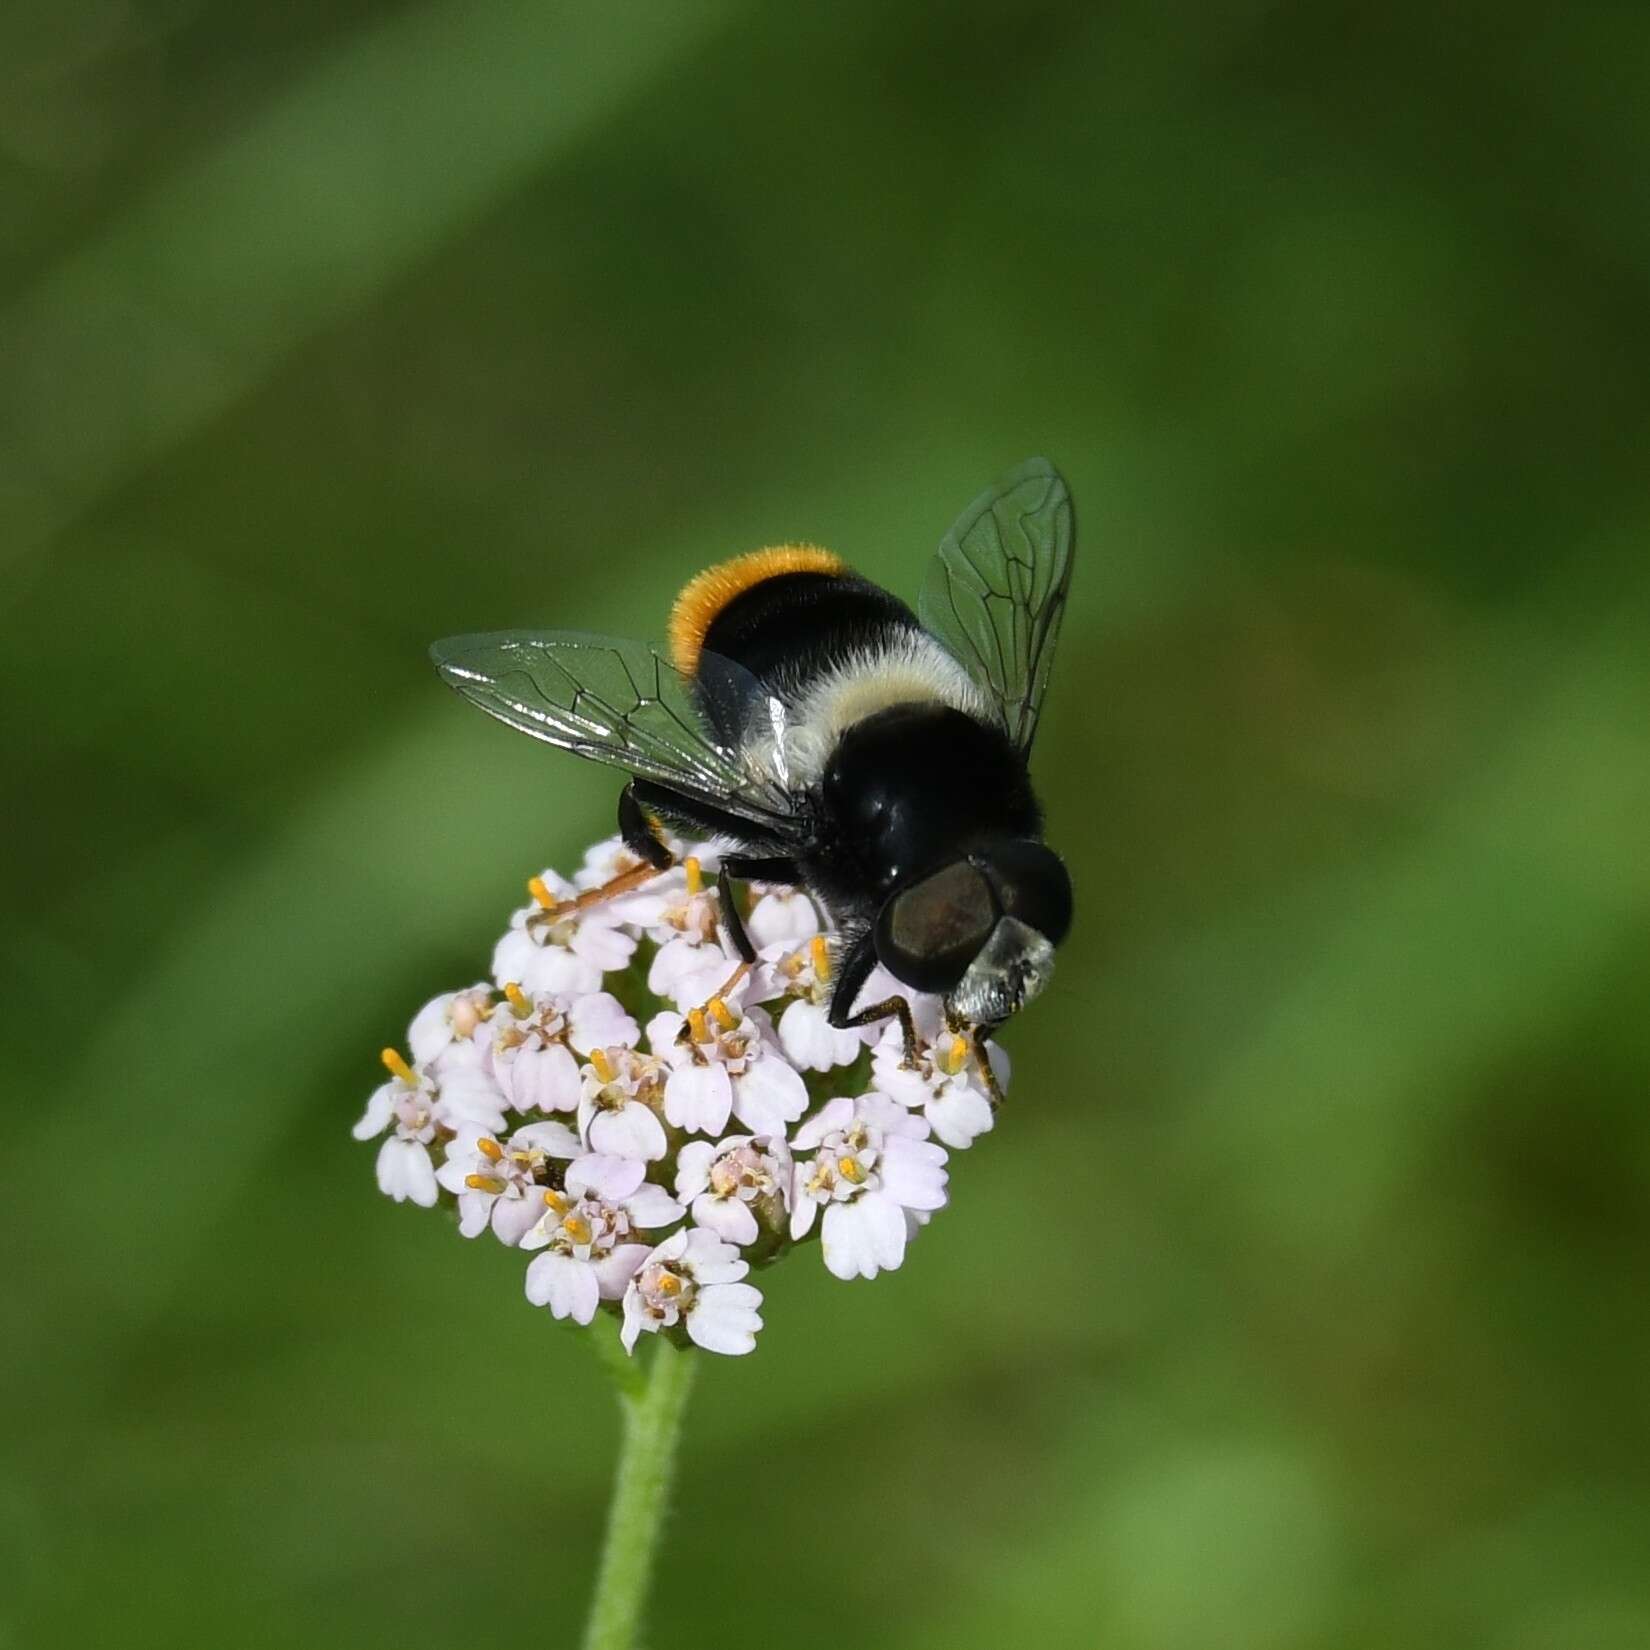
x: 790, y: 629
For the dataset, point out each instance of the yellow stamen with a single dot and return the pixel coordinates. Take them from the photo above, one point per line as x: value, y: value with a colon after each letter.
x: 555, y: 1201
x: 851, y: 1170
x: 603, y: 1066
x: 540, y: 892
x: 821, y: 954
x: 695, y: 877
x: 720, y: 1014
x: 955, y: 1057
x: 696, y: 1025
x: 668, y: 1284
x: 483, y: 1183
x: 490, y: 1149
x: 519, y: 1004
x: 397, y: 1067
x: 577, y: 1228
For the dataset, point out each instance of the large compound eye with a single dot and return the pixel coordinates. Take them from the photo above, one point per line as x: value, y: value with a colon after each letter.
x: 928, y: 934
x: 1031, y: 883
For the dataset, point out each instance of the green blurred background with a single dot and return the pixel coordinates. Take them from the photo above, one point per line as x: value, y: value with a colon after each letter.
x: 1299, y: 1299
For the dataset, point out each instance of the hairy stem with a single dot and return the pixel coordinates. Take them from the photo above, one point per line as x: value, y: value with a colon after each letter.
x: 652, y: 1407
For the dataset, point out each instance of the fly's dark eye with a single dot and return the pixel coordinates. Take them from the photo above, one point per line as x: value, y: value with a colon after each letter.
x: 1031, y: 883
x: 928, y: 935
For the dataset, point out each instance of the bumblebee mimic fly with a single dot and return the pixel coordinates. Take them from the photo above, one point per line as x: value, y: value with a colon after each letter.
x: 841, y: 743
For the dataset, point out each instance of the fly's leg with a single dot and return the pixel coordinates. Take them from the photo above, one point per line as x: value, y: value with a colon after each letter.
x: 641, y: 834
x: 856, y: 969
x: 900, y: 1007
x: 745, y: 868
x: 977, y: 1037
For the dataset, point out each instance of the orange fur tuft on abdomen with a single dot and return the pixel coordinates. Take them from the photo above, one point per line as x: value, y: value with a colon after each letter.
x: 707, y: 593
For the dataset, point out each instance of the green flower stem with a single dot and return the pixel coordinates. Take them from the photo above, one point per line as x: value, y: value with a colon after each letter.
x: 652, y: 1404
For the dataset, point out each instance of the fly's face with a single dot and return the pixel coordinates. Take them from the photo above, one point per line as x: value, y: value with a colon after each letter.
x: 981, y: 930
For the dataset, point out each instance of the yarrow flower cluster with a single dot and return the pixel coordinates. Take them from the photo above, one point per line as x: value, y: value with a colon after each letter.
x: 651, y: 1120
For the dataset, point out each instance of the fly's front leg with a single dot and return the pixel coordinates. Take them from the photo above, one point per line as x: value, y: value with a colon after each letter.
x: 715, y: 1011
x: 641, y: 834
x: 855, y: 971
x: 977, y: 1037
x: 746, y: 868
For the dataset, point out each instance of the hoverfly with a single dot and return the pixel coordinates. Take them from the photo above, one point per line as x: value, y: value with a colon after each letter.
x: 840, y: 743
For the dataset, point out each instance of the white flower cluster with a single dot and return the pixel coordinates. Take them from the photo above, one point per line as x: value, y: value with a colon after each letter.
x: 654, y: 1119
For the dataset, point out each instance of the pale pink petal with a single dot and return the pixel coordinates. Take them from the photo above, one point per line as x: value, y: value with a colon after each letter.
x: 406, y: 1173
x: 635, y: 1320
x: 514, y: 1217
x: 380, y: 1109
x: 804, y: 1209
x: 468, y: 1094
x: 632, y: 1131
x: 672, y: 959
x: 727, y: 1217
x: 452, y: 1174
x: 693, y: 1167
x: 690, y: 974
x: 600, y: 1021
x: 431, y: 1029
x: 567, y: 1286
x: 552, y: 970
x: 672, y: 1248
x: 913, y: 1173
x: 812, y: 1042
x: 552, y: 1138
x: 541, y: 1079
x: 863, y: 1237
x: 699, y: 1098
x: 617, y: 1267
x: 770, y: 1095
x: 834, y: 1115
x: 662, y: 1032
x: 899, y: 1082
x: 719, y: 1271
x: 652, y: 1206
x: 787, y: 919
x: 610, y: 1177
x: 601, y: 945
x: 724, y: 1318
x: 960, y: 1114
x: 886, y: 1114
x: 472, y: 1213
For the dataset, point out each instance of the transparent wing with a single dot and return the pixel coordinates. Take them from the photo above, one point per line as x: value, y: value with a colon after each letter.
x: 621, y: 703
x: 996, y: 591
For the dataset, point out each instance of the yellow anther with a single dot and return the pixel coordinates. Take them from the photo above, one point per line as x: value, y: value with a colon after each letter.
x: 576, y: 1227
x: 721, y: 1014
x: 490, y: 1149
x: 695, y: 877
x: 554, y: 1201
x: 519, y: 1004
x: 697, y: 1028
x: 397, y: 1067
x: 484, y: 1183
x: 851, y: 1170
x: 955, y: 1057
x: 668, y: 1284
x: 536, y: 887
x: 603, y: 1066
x: 821, y: 954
